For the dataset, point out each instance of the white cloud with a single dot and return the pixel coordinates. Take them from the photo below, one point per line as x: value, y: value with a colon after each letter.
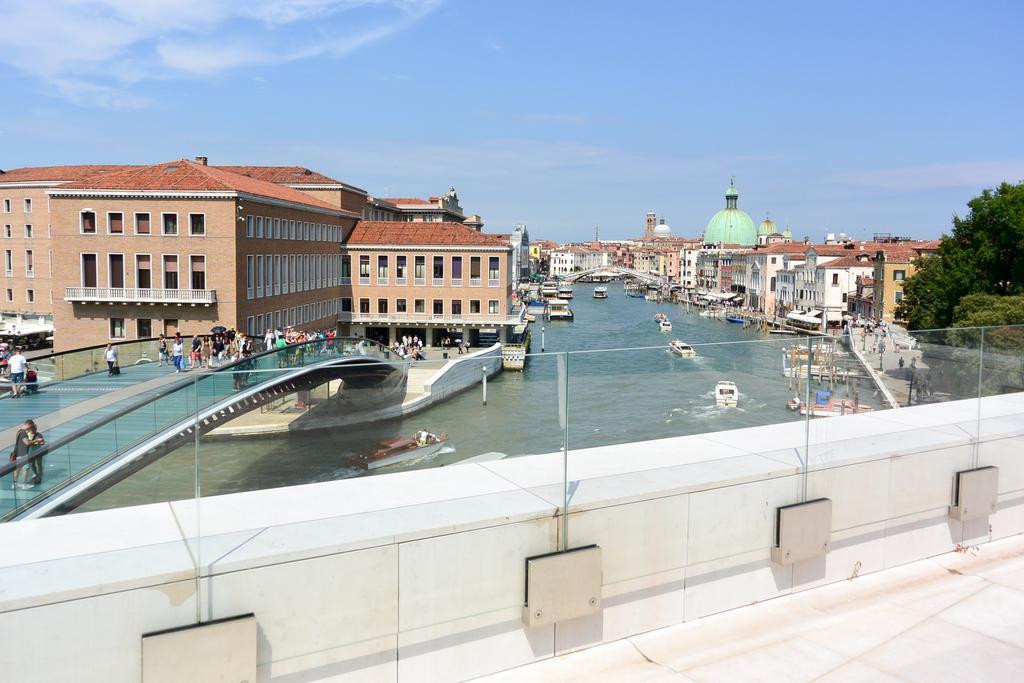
x: 939, y: 176
x: 91, y: 51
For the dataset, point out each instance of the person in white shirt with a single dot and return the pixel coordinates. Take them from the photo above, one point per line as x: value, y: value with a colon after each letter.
x: 110, y: 355
x: 177, y: 354
x: 268, y: 339
x: 17, y: 363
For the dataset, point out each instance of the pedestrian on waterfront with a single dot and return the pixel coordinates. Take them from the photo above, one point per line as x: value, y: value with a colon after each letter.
x: 16, y: 364
x: 269, y: 339
x: 110, y: 355
x: 178, y: 353
x: 161, y: 351
x: 204, y: 353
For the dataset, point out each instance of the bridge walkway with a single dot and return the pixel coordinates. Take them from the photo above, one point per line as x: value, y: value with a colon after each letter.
x: 77, y: 447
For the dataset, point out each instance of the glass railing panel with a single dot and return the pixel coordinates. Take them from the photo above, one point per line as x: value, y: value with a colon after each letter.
x: 1001, y: 418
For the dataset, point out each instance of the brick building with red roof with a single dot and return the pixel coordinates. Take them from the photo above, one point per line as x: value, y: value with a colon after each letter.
x: 184, y: 246
x: 434, y: 281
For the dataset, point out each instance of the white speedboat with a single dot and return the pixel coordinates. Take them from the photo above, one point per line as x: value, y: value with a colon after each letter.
x: 726, y: 393
x: 681, y: 349
x: 402, y: 449
x: 600, y: 292
x: 658, y: 317
x: 664, y: 326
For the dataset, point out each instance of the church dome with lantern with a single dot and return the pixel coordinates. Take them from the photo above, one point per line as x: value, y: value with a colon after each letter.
x: 662, y: 230
x: 731, y: 225
x: 767, y: 227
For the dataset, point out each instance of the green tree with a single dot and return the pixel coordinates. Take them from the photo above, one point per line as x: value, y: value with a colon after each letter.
x: 983, y: 255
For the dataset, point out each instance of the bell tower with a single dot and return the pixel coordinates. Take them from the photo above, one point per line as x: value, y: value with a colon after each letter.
x: 652, y: 223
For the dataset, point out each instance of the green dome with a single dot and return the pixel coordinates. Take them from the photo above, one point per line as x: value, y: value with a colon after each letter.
x: 787, y: 233
x: 767, y: 227
x: 730, y: 225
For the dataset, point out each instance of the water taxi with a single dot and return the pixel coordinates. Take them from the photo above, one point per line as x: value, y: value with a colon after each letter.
x: 403, y: 449
x: 558, y: 309
x: 564, y: 292
x: 664, y: 326
x: 826, y: 406
x: 600, y: 292
x: 726, y: 393
x: 658, y: 317
x: 681, y: 349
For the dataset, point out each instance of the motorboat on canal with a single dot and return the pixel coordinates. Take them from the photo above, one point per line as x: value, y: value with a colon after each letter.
x: 658, y: 317
x: 664, y: 326
x: 681, y: 349
x: 826, y: 406
x: 402, y: 449
x: 726, y: 393
x: 558, y: 309
x: 734, y: 319
x: 564, y: 291
x: 600, y: 292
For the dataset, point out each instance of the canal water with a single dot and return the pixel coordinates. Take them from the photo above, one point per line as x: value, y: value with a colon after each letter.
x: 618, y: 383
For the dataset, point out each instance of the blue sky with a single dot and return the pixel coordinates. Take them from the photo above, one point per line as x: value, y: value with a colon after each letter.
x: 860, y: 117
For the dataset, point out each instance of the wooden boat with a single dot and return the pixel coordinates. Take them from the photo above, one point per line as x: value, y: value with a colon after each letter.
x: 600, y: 292
x: 786, y: 332
x: 726, y: 393
x: 664, y: 326
x: 681, y: 349
x: 635, y: 295
x: 826, y: 406
x: 402, y: 449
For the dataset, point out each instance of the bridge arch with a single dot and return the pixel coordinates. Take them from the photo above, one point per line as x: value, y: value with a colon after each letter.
x: 646, y: 278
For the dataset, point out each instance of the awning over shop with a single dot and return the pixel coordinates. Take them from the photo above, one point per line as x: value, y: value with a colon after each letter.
x: 805, y: 317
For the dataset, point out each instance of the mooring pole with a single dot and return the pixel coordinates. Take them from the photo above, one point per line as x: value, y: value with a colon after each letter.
x: 484, y: 368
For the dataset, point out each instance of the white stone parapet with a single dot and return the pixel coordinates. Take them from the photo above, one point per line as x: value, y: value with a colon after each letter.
x: 420, y: 575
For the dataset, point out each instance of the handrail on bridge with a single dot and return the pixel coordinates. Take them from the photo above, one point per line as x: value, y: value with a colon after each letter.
x: 339, y: 344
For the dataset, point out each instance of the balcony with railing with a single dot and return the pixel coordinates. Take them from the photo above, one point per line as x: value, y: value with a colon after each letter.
x: 135, y: 295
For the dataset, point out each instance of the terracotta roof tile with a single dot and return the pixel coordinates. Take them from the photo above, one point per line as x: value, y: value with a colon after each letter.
x: 425, y: 234
x: 58, y: 173
x: 862, y: 259
x: 286, y: 175
x: 408, y: 200
x: 185, y: 175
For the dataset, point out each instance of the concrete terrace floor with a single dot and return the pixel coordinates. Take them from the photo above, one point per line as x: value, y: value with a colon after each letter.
x: 955, y: 617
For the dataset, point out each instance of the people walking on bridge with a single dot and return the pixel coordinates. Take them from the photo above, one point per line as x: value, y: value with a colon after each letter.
x: 178, y: 354
x: 269, y: 339
x: 195, y: 353
x: 204, y: 353
x: 161, y: 351
x: 110, y: 355
x: 16, y: 363
x: 28, y: 441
